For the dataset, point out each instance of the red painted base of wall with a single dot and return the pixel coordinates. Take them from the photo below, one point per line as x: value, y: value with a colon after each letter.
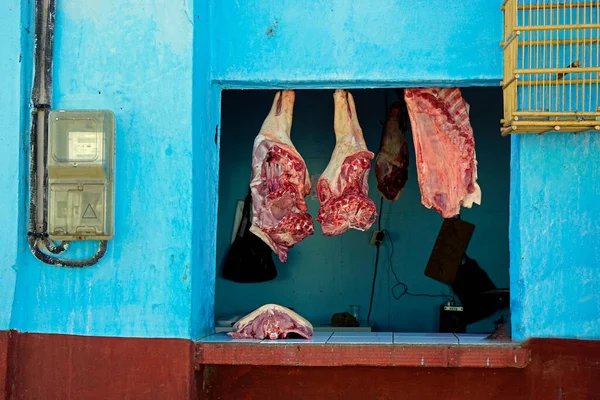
x: 559, y: 369
x: 4, y: 338
x: 41, y: 366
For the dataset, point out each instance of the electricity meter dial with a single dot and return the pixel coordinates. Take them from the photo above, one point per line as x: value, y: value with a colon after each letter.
x: 81, y: 157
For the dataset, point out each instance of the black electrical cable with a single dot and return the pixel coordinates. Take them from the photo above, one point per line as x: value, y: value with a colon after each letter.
x: 41, y: 96
x: 53, y: 248
x: 404, y: 125
x: 399, y: 283
x: 373, y: 286
x: 378, y: 245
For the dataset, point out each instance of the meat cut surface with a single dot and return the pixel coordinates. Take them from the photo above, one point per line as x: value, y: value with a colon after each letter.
x: 271, y: 321
x: 342, y: 189
x: 279, y: 182
x: 445, y: 149
x: 391, y: 163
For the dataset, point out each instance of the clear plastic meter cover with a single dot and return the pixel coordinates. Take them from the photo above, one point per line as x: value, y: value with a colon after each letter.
x: 80, y: 175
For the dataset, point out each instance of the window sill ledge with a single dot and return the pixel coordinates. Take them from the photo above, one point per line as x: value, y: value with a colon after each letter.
x: 371, y: 353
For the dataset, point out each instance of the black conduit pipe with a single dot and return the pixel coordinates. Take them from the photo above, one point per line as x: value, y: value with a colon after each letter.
x: 41, y: 96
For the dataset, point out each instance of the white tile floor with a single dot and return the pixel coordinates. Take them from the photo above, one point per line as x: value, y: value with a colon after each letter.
x: 363, y: 334
x: 225, y: 338
x: 473, y: 339
x: 424, y: 338
x: 414, y: 338
x: 354, y: 340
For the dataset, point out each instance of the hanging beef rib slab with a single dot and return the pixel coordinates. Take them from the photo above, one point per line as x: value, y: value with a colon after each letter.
x: 279, y: 182
x: 271, y: 321
x: 445, y: 149
x: 391, y: 163
x: 342, y: 189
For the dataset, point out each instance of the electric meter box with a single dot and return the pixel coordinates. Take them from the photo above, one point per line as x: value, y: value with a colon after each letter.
x: 81, y: 158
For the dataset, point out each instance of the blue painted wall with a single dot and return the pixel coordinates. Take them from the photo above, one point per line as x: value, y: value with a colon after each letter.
x: 555, y: 235
x: 205, y: 174
x: 160, y: 65
x: 356, y: 43
x: 325, y: 275
x: 137, y: 61
x: 11, y: 150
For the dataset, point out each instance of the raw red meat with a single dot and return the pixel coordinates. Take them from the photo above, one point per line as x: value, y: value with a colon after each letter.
x: 342, y: 188
x: 445, y: 149
x: 391, y: 163
x: 271, y: 321
x: 279, y: 182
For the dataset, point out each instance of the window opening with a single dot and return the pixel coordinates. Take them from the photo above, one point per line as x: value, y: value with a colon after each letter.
x: 327, y: 275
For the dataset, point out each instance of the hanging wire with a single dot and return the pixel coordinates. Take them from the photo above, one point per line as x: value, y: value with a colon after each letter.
x: 399, y: 284
x: 404, y: 286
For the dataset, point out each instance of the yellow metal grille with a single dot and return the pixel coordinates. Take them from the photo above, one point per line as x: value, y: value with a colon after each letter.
x: 551, y: 66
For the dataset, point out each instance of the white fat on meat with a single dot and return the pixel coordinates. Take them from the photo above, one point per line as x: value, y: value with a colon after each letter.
x: 271, y: 321
x: 280, y: 181
x: 444, y: 148
x: 342, y: 189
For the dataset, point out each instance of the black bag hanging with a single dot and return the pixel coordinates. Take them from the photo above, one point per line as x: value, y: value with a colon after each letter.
x: 249, y: 259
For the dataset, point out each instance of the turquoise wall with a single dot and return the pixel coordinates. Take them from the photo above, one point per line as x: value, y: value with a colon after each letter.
x: 356, y: 43
x: 205, y: 174
x: 137, y: 62
x: 346, y: 44
x: 325, y: 275
x: 11, y: 151
x: 555, y: 235
x: 160, y: 66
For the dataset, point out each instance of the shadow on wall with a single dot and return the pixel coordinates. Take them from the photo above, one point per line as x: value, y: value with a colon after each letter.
x: 324, y: 275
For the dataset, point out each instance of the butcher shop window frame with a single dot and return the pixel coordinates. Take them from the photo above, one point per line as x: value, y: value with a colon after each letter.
x: 551, y: 77
x: 221, y: 89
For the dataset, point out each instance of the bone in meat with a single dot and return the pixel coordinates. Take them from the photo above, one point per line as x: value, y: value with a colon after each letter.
x: 279, y: 182
x: 271, y: 321
x: 342, y: 189
x: 445, y: 149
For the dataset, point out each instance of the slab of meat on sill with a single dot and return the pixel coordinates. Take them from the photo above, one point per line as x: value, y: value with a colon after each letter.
x: 445, y: 149
x: 279, y: 182
x: 272, y: 321
x: 342, y: 189
x: 391, y: 163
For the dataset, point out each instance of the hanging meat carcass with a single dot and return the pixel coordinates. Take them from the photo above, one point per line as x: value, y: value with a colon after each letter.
x: 391, y: 163
x: 445, y: 149
x: 271, y: 321
x: 279, y: 182
x: 342, y: 189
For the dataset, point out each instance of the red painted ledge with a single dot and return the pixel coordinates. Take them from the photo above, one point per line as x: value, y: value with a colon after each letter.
x: 372, y: 355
